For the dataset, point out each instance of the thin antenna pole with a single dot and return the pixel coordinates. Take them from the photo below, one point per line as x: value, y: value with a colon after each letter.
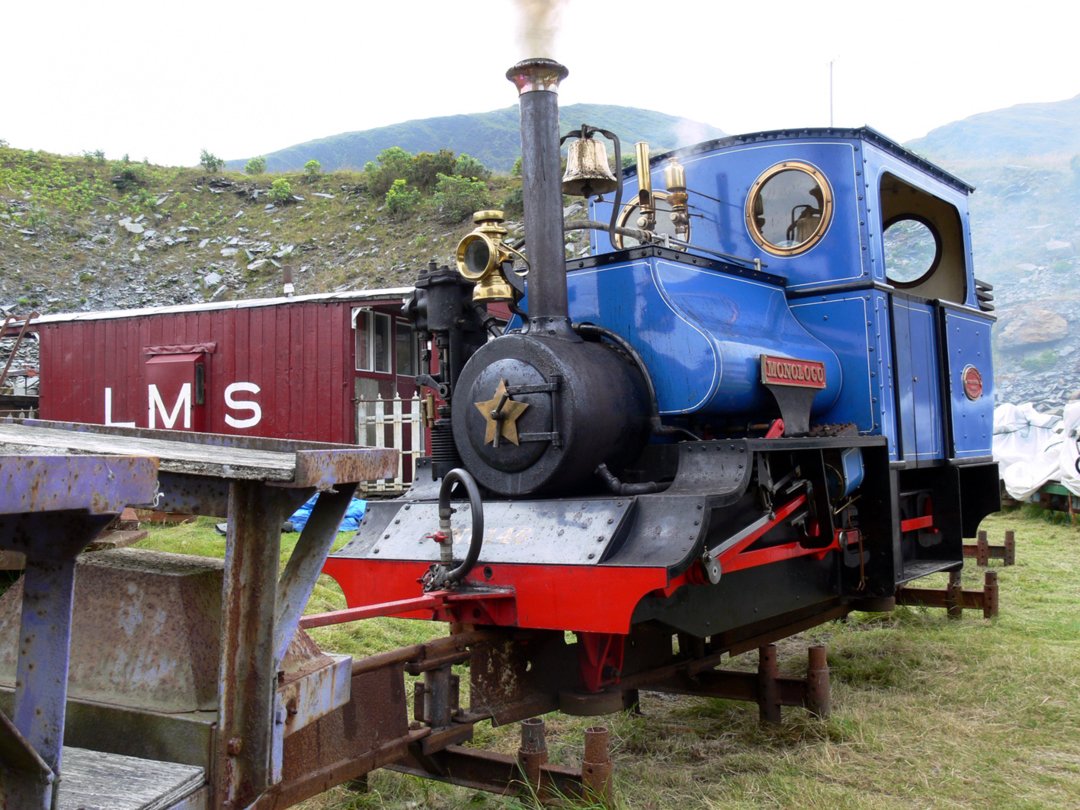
x: 830, y: 95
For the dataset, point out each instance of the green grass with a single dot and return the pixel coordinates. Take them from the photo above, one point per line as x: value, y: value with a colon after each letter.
x: 927, y: 711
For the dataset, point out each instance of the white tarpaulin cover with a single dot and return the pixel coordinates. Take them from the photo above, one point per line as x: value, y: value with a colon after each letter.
x: 1033, y: 448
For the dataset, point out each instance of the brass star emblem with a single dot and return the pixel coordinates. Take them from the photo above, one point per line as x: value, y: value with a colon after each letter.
x: 501, y: 414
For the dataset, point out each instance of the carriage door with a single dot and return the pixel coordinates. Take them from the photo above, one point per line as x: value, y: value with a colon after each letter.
x: 176, y: 388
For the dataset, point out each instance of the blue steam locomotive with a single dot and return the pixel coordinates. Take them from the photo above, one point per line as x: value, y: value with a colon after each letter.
x: 764, y: 400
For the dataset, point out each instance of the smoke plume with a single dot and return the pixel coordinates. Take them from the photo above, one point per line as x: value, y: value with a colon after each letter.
x: 538, y: 22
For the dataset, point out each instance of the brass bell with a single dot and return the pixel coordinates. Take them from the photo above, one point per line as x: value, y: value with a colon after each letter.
x: 588, y: 172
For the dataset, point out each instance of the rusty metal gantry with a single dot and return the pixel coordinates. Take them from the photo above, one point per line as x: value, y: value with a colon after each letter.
x: 67, y: 482
x: 51, y: 507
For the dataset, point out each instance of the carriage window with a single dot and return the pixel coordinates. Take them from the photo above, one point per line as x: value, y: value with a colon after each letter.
x: 372, y: 332
x: 405, y: 347
x: 912, y: 249
x: 789, y: 208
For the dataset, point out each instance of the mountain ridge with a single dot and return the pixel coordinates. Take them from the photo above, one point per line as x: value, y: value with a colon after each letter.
x: 492, y: 137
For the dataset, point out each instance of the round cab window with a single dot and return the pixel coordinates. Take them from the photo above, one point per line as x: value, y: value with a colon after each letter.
x: 912, y: 249
x: 789, y: 208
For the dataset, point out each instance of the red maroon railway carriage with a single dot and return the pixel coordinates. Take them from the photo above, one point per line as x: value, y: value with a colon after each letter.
x: 332, y: 368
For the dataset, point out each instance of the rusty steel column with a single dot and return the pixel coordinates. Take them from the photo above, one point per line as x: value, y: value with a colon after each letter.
x: 245, y: 757
x: 438, y: 697
x: 533, y: 752
x: 768, y: 689
x: 982, y: 549
x: 818, y: 692
x: 1010, y: 547
x: 990, y: 595
x: 954, y: 596
x: 596, y: 767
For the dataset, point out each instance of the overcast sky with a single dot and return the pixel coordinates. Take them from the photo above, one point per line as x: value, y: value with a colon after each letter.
x: 163, y: 80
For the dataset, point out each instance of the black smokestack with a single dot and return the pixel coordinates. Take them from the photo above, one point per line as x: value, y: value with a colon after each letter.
x: 537, y: 81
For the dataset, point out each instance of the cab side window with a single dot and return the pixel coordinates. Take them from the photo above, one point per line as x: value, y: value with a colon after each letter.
x: 922, y: 242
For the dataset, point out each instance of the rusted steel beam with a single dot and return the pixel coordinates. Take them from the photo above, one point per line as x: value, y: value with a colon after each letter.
x: 493, y: 772
x: 369, y: 731
x: 953, y: 598
x: 97, y: 484
x: 768, y: 691
x: 302, y: 571
x: 244, y: 765
x: 798, y: 626
x: 596, y: 767
x: 324, y: 469
x: 532, y: 753
x: 765, y: 687
x: 420, y: 652
x: 990, y: 595
x: 983, y: 552
x: 25, y: 779
x: 818, y: 690
x: 51, y: 507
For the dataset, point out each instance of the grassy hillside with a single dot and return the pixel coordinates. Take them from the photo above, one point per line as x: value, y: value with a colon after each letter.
x: 491, y: 137
x: 80, y: 233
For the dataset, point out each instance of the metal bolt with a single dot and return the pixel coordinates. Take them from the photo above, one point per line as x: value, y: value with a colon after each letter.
x: 234, y: 747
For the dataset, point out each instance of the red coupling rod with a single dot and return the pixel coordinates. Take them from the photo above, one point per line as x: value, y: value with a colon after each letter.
x: 429, y: 601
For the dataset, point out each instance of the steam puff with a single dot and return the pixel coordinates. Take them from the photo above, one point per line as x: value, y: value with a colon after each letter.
x: 690, y: 132
x: 538, y: 22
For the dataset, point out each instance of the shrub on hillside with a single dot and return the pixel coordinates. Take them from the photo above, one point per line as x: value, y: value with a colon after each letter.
x: 280, y: 190
x: 129, y: 177
x: 312, y: 169
x: 456, y: 198
x: 256, y: 165
x: 426, y: 167
x: 513, y: 204
x: 389, y: 165
x: 468, y: 166
x: 401, y: 200
x: 212, y: 163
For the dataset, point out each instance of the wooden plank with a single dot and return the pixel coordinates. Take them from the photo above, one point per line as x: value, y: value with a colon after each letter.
x: 179, y: 457
x: 116, y: 782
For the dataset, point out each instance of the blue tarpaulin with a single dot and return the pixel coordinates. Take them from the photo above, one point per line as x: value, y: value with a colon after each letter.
x: 350, y: 523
